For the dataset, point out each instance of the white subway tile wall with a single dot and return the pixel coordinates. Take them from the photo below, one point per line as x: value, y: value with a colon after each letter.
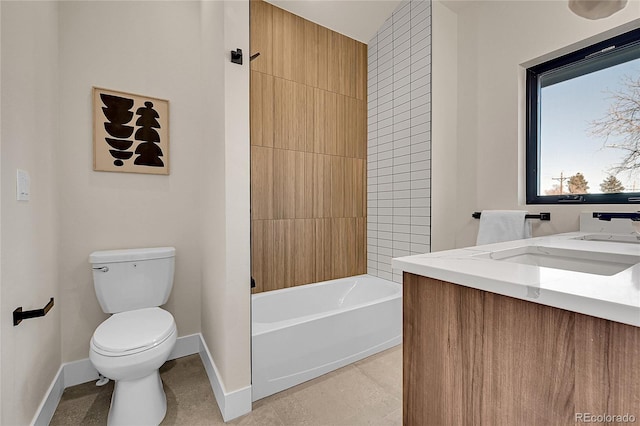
x: 399, y: 144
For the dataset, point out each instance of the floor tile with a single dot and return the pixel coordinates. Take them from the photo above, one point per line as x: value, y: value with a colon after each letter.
x: 385, y: 369
x: 363, y: 393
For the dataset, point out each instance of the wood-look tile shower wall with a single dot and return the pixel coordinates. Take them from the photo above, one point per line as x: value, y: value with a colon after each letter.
x: 308, y: 151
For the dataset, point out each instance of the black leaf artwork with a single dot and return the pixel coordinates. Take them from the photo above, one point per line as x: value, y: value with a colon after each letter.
x: 118, y: 130
x: 119, y: 143
x: 149, y: 152
x: 121, y: 155
x: 117, y: 111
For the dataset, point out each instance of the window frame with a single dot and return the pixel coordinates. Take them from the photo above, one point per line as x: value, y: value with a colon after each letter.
x: 532, y: 156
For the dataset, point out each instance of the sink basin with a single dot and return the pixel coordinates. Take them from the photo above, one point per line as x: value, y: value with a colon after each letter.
x: 590, y: 262
x: 615, y: 238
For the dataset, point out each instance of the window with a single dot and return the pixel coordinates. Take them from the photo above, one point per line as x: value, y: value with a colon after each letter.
x: 583, y: 125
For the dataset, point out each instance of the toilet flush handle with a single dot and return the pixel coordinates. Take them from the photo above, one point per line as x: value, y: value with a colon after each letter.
x: 102, y: 269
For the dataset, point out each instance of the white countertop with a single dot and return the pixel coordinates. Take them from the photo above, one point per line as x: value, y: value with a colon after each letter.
x: 614, y: 297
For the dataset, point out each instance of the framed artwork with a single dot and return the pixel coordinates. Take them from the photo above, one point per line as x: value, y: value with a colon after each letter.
x: 130, y: 133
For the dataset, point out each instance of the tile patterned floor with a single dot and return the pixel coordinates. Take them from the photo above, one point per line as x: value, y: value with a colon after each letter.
x: 368, y: 392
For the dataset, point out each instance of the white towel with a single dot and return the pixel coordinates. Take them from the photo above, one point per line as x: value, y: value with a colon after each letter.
x: 502, y: 225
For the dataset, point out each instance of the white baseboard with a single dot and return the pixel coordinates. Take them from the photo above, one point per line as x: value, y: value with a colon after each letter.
x: 231, y: 404
x: 186, y: 345
x: 76, y: 372
x: 237, y: 403
x: 48, y: 406
x: 82, y: 371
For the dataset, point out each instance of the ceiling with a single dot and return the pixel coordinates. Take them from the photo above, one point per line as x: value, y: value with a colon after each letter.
x: 358, y: 19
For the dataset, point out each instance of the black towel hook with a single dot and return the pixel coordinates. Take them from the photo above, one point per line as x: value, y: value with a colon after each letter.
x: 236, y: 56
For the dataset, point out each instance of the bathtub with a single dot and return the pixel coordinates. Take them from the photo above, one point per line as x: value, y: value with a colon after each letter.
x: 300, y: 333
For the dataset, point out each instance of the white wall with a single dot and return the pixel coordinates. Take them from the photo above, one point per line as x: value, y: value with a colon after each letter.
x: 177, y: 51
x: 149, y: 48
x: 445, y: 125
x: 29, y: 266
x: 356, y: 19
x: 52, y: 55
x: 1, y: 203
x: 399, y: 139
x: 226, y: 223
x: 494, y: 38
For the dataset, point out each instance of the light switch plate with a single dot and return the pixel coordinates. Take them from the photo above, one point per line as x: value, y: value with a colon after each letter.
x: 23, y: 185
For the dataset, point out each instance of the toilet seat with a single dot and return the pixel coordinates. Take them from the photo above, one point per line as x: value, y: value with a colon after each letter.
x: 131, y: 332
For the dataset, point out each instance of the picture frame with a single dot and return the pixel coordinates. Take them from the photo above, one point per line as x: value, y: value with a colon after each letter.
x: 130, y: 132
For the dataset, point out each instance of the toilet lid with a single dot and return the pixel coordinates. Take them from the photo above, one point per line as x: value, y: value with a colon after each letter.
x: 134, y: 330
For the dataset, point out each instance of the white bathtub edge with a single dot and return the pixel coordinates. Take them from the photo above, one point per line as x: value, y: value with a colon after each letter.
x: 310, y: 285
x: 259, y: 328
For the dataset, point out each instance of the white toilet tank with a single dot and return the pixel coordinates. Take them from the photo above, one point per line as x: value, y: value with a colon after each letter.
x: 133, y: 278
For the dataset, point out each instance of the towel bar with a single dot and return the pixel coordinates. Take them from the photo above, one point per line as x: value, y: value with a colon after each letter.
x: 608, y: 216
x: 541, y: 216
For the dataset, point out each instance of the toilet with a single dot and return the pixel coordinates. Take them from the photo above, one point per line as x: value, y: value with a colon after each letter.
x: 133, y: 343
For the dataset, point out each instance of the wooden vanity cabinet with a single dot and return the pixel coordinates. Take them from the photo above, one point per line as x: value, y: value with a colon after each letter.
x: 472, y: 357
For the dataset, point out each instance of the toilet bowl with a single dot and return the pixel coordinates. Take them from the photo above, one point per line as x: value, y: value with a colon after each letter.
x: 130, y: 347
